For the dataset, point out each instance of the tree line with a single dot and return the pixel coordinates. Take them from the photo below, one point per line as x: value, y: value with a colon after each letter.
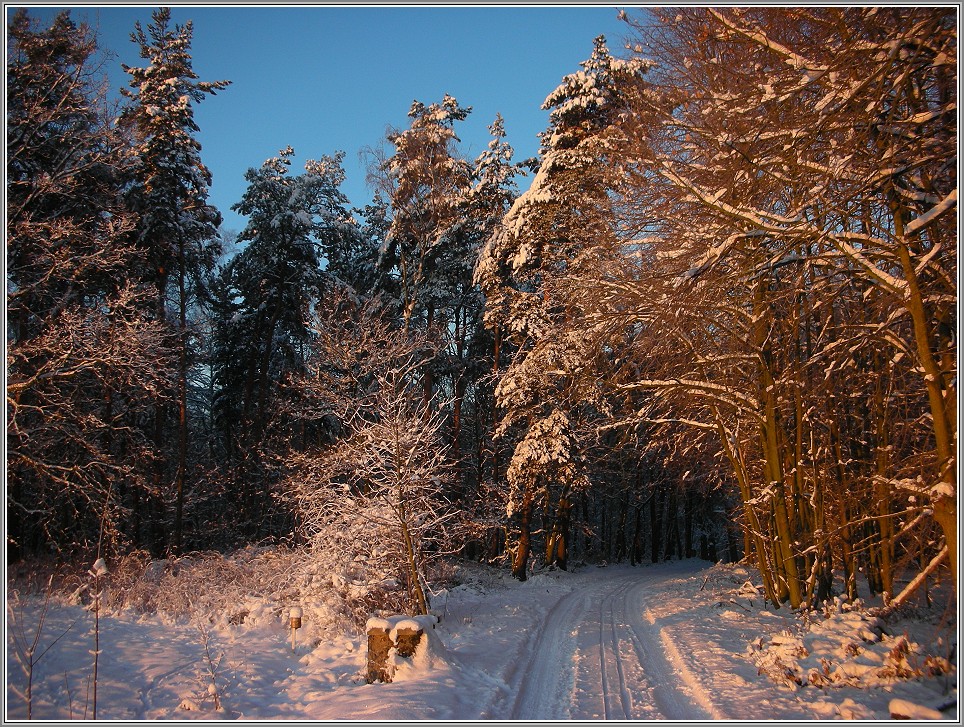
x: 719, y: 321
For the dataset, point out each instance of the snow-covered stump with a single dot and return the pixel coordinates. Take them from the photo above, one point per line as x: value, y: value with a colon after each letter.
x: 407, y: 636
x: 398, y: 636
x: 379, y: 644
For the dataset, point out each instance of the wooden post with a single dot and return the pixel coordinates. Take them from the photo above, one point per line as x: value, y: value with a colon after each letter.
x: 294, y: 616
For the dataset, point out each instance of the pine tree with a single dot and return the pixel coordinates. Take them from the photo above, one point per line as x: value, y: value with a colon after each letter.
x: 178, y: 228
x: 351, y: 258
x: 472, y: 350
x: 266, y: 296
x: 441, y: 210
x: 424, y: 181
x: 548, y: 233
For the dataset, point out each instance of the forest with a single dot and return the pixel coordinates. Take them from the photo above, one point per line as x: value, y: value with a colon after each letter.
x: 715, y: 317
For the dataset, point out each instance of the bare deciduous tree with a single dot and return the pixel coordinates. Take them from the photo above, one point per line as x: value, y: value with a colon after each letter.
x: 82, y: 363
x: 388, y: 467
x: 788, y: 272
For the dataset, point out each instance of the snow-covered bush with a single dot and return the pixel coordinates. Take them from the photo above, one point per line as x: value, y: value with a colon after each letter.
x: 374, y: 503
x: 352, y: 555
x: 843, y: 644
x: 370, y: 496
x: 205, y: 583
x: 335, y: 581
x: 340, y: 580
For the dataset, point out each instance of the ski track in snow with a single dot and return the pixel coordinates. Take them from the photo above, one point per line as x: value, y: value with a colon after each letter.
x: 600, y: 654
x: 545, y: 676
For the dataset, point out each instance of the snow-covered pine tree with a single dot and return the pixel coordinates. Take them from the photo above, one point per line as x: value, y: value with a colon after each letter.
x: 471, y: 349
x: 424, y: 182
x: 462, y: 367
x: 352, y: 258
x: 441, y: 209
x: 177, y: 228
x: 267, y: 293
x: 550, y: 231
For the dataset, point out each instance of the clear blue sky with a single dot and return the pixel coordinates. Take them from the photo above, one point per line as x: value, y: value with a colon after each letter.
x: 323, y: 78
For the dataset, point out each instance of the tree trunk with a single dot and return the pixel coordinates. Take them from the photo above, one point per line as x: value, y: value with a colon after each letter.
x: 621, y: 530
x: 181, y: 403
x: 520, y: 559
x: 941, y: 394
x: 671, y: 526
x: 788, y: 580
x: 460, y: 384
x: 416, y: 591
x: 654, y: 526
x: 943, y: 402
x: 753, y: 540
x: 885, y: 523
x: 636, y: 554
x: 689, y: 506
x: 557, y: 544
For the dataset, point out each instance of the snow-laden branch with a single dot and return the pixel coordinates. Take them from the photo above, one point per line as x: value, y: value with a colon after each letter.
x: 758, y: 36
x: 916, y: 583
x: 948, y: 203
x: 716, y: 392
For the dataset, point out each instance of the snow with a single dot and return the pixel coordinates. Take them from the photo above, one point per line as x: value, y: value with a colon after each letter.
x: 378, y: 624
x: 404, y: 624
x: 685, y: 640
x: 902, y: 709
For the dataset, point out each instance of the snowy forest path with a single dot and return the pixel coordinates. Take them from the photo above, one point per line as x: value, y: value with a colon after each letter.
x: 601, y: 654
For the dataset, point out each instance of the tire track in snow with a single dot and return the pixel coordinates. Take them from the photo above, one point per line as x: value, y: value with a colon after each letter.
x: 603, y: 680
x: 603, y: 676
x: 622, y: 688
x: 607, y: 662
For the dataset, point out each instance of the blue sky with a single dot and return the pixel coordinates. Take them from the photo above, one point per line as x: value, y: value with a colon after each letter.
x: 323, y: 78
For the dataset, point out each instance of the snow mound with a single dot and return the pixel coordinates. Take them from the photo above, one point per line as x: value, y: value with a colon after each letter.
x: 430, y: 656
x: 378, y: 623
x: 903, y: 709
x: 394, y: 624
x: 405, y: 624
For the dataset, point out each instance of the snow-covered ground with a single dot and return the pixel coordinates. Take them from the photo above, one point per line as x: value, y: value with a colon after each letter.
x: 686, y: 641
